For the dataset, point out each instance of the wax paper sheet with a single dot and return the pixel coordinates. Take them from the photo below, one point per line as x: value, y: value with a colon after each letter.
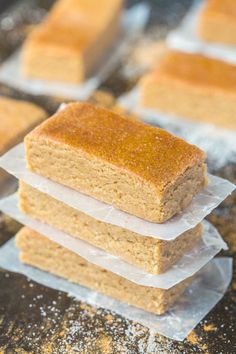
x: 202, y: 204
x: 198, y: 299
x: 134, y: 21
x: 186, y: 38
x: 187, y: 266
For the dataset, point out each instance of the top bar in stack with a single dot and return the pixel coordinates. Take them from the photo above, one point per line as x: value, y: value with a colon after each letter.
x: 135, y: 167
x: 71, y: 42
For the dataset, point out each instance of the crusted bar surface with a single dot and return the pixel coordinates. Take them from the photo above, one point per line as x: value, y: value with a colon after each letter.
x: 194, y: 87
x: 135, y: 167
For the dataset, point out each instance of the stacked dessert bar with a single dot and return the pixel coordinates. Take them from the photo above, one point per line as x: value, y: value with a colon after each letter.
x: 134, y: 167
x: 73, y: 39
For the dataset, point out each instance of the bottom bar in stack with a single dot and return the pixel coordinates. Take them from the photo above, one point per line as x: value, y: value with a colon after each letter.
x: 36, y: 250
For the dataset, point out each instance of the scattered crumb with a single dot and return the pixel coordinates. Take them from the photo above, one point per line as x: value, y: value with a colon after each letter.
x: 209, y: 327
x: 88, y: 309
x: 47, y: 348
x: 109, y: 318
x: 105, y: 344
x: 234, y: 285
x: 193, y: 338
x: 197, y: 341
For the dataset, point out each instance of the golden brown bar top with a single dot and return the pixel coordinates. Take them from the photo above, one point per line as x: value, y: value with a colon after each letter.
x: 72, y: 41
x: 217, y: 22
x: 120, y: 161
x: 193, y: 87
x: 197, y: 69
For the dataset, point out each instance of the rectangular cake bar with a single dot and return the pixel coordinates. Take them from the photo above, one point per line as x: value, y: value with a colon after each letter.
x: 217, y: 22
x: 83, y: 13
x: 17, y: 119
x: 70, y: 44
x: 150, y: 254
x: 38, y: 251
x: 194, y: 87
x: 137, y: 168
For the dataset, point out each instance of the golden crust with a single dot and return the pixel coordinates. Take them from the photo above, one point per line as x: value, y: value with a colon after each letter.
x: 59, y: 38
x: 72, y: 41
x: 74, y: 24
x: 197, y: 70
x: 17, y: 118
x: 217, y: 22
x: 151, y: 153
x: 86, y: 14
x: 219, y: 7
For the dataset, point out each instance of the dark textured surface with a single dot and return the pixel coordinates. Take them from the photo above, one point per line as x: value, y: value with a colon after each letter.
x: 35, y: 319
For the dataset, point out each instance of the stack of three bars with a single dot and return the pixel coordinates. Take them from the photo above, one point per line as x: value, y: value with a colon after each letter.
x: 136, y: 168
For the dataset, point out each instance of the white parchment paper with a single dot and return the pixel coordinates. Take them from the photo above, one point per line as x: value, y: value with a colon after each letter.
x: 186, y: 38
x: 188, y: 265
x: 218, y: 143
x: 134, y: 21
x: 199, y: 298
x: 203, y: 203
